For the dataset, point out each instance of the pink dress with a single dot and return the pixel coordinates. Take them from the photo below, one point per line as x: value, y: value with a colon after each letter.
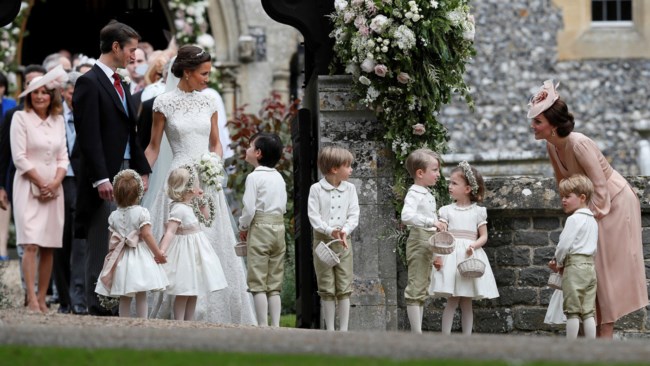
x: 619, y: 260
x: 41, y: 145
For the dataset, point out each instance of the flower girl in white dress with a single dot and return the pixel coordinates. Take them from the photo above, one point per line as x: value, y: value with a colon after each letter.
x: 132, y: 266
x: 192, y: 266
x: 467, y: 222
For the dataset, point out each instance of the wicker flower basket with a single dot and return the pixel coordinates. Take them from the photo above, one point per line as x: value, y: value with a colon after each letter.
x: 442, y: 243
x: 471, y: 267
x: 555, y: 281
x: 241, y: 249
x: 327, y: 255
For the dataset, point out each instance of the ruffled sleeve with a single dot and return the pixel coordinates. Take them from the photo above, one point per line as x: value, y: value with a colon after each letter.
x: 443, y: 214
x: 589, y: 157
x: 482, y: 216
x: 145, y: 218
x: 176, y: 213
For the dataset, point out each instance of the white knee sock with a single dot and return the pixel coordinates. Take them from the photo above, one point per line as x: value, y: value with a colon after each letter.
x: 141, y: 306
x: 329, y: 309
x: 589, y: 326
x: 125, y: 306
x: 467, y: 318
x: 448, y: 314
x: 275, y: 308
x: 261, y: 309
x: 572, y: 327
x: 344, y: 314
x: 413, y: 312
x: 190, y: 307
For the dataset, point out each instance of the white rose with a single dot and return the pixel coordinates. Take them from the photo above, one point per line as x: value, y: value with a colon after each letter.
x: 384, y: 49
x: 379, y: 23
x: 368, y: 65
x: 340, y: 5
x: 371, y: 43
x: 364, y: 80
x: 205, y: 40
x: 416, y: 17
x: 408, y: 15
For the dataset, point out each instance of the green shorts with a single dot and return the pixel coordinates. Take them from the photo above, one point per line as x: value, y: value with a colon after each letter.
x: 334, y: 282
x: 266, y: 248
x: 418, y: 260
x: 579, y: 286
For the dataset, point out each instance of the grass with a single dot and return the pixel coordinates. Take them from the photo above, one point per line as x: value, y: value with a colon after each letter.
x: 288, y: 321
x: 42, y: 356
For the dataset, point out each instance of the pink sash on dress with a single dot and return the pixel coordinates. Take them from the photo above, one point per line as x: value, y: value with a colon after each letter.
x: 115, y: 252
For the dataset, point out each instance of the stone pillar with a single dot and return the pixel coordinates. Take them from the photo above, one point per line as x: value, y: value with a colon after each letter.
x: 643, y: 158
x: 343, y: 121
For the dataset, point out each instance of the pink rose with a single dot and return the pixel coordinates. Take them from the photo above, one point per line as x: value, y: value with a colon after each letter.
x: 418, y: 129
x: 403, y: 78
x: 381, y: 70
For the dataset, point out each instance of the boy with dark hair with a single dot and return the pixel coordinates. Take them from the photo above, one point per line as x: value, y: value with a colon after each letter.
x: 262, y: 225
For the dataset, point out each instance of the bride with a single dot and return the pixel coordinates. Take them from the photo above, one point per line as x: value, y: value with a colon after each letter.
x: 186, y: 121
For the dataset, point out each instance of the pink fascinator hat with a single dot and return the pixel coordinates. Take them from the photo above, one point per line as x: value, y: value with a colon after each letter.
x: 53, y: 79
x: 543, y: 99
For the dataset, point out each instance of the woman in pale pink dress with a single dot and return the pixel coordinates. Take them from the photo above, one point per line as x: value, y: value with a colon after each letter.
x: 619, y: 260
x: 38, y: 146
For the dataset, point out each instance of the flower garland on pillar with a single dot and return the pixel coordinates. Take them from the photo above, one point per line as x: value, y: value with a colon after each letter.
x: 10, y: 37
x: 407, y: 59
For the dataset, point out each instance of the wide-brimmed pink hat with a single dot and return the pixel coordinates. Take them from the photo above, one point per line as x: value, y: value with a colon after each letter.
x: 543, y: 99
x: 53, y: 79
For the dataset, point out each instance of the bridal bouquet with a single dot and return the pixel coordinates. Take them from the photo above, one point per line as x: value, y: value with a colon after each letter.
x: 210, y: 169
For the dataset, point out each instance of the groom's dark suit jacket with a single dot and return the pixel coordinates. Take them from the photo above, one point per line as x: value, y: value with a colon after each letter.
x: 102, y: 127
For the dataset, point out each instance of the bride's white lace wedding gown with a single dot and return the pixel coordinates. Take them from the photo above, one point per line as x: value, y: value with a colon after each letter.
x: 188, y: 128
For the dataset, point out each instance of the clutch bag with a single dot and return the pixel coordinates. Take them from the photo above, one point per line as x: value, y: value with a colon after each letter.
x: 36, y: 192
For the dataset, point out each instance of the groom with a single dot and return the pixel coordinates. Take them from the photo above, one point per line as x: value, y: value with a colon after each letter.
x: 105, y: 120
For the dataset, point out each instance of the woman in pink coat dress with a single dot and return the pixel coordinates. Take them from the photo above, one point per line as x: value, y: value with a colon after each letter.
x: 38, y: 146
x: 620, y: 269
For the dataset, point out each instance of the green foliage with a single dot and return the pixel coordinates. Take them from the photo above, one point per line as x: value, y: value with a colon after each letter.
x: 274, y: 116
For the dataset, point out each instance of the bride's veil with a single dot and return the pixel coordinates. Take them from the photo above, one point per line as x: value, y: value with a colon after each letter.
x: 163, y: 163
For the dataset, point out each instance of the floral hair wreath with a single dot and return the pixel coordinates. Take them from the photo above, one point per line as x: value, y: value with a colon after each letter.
x: 189, y: 186
x: 469, y: 174
x: 135, y: 175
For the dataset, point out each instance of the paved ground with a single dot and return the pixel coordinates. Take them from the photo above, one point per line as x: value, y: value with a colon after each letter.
x: 17, y: 326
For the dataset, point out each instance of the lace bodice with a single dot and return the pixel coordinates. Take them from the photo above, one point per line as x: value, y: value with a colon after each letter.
x: 188, y: 123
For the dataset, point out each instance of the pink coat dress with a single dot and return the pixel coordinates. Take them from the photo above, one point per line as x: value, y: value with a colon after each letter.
x: 619, y: 260
x: 41, y: 145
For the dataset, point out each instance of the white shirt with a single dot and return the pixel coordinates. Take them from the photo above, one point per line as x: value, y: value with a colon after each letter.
x: 580, y: 236
x: 332, y: 207
x: 419, y: 207
x: 265, y: 192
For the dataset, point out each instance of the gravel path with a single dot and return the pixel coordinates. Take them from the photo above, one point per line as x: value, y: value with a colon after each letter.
x: 17, y: 326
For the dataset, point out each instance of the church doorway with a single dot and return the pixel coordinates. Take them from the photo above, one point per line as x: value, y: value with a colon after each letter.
x: 74, y: 25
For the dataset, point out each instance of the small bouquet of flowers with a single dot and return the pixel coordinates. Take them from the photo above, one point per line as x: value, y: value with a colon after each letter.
x: 210, y: 169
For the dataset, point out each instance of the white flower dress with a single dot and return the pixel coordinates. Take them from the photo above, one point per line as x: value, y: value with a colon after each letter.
x: 463, y: 223
x: 193, y: 268
x: 129, y: 266
x: 188, y: 129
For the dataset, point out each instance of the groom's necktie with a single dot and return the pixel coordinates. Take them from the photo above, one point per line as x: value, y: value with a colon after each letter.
x: 118, y: 85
